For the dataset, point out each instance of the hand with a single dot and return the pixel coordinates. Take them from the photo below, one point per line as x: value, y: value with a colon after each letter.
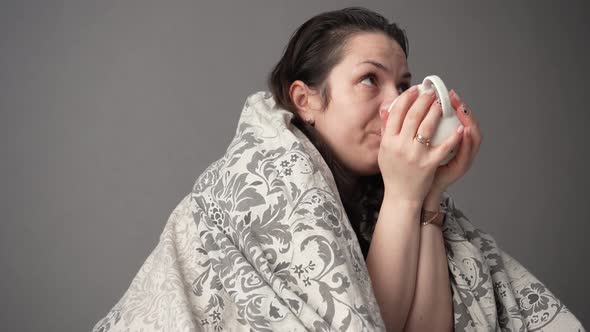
x: 408, y: 166
x: 448, y: 174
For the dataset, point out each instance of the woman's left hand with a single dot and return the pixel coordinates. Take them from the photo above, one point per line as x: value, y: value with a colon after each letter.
x: 469, y: 147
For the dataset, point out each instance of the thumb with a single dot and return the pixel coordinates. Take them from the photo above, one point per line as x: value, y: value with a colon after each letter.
x: 383, y: 115
x: 451, y: 143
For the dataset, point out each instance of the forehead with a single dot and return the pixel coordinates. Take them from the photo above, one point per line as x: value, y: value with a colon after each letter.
x: 374, y: 46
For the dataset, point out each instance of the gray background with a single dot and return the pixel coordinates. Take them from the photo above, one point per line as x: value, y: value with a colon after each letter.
x: 111, y: 109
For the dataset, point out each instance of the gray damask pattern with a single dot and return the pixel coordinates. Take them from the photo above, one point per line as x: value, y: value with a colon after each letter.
x: 262, y: 243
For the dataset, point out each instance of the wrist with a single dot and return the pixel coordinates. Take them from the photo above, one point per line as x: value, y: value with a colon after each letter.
x: 402, y: 202
x: 432, y: 201
x: 435, y: 218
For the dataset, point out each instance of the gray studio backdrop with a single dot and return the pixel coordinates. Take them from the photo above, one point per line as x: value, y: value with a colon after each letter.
x: 109, y: 110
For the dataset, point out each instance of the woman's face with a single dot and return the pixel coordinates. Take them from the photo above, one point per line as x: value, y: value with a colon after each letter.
x: 372, y: 73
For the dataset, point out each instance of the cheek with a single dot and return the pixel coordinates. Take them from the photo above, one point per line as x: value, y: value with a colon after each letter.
x: 373, y: 141
x: 351, y: 122
x: 345, y: 122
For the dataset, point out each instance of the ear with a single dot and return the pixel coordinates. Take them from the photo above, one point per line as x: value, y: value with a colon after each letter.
x: 306, y: 101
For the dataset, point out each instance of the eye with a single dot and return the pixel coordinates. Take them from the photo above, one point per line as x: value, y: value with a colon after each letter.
x: 369, y: 78
x: 403, y: 87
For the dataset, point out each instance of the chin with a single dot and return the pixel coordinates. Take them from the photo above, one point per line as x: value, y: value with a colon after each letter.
x: 366, y: 166
x: 374, y: 170
x: 371, y: 168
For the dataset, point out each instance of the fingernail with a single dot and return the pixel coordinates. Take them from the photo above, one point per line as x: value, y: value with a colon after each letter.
x: 460, y: 129
x: 453, y: 92
x: 413, y: 88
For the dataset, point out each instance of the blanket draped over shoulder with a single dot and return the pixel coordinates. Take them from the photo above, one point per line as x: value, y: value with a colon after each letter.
x: 262, y: 243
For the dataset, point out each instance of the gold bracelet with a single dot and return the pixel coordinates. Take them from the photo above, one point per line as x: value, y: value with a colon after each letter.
x: 431, y: 217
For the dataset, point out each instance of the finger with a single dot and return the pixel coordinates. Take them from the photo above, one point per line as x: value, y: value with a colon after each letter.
x: 462, y: 110
x: 430, y: 122
x: 467, y: 118
x: 475, y: 139
x: 444, y: 149
x: 464, y: 155
x: 384, y: 117
x: 399, y: 110
x: 416, y: 114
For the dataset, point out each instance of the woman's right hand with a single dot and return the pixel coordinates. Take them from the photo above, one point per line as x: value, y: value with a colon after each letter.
x: 408, y: 166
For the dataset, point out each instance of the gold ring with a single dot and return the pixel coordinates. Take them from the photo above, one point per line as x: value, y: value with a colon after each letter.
x: 423, y: 140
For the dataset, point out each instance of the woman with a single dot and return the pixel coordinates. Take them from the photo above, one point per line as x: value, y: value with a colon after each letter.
x: 342, y: 88
x: 318, y: 176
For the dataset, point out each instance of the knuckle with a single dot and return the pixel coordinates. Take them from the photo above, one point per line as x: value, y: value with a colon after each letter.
x: 427, y: 128
x: 436, y: 103
x: 393, y: 147
x: 477, y: 135
x: 413, y: 114
x: 425, y: 96
x: 413, y: 159
x: 386, y: 144
x: 436, y: 110
x: 406, y: 100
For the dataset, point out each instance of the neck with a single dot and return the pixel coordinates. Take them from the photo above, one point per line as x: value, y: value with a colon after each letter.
x: 349, y: 181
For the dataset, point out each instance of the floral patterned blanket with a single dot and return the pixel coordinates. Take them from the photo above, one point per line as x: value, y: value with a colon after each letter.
x: 262, y: 243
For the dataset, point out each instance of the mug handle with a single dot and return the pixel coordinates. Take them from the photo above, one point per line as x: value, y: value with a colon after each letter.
x: 441, y: 92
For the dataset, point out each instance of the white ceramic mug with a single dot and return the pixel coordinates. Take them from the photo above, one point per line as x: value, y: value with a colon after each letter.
x: 449, y: 122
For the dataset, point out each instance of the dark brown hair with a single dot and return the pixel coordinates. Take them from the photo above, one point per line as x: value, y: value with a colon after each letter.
x: 313, y: 50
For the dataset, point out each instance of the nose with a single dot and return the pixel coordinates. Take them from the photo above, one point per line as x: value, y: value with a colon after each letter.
x: 388, y: 103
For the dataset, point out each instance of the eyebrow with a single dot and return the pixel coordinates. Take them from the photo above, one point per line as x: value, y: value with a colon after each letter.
x: 382, y: 67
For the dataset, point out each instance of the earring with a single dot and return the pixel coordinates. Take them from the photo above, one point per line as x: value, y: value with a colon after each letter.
x: 310, y: 122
